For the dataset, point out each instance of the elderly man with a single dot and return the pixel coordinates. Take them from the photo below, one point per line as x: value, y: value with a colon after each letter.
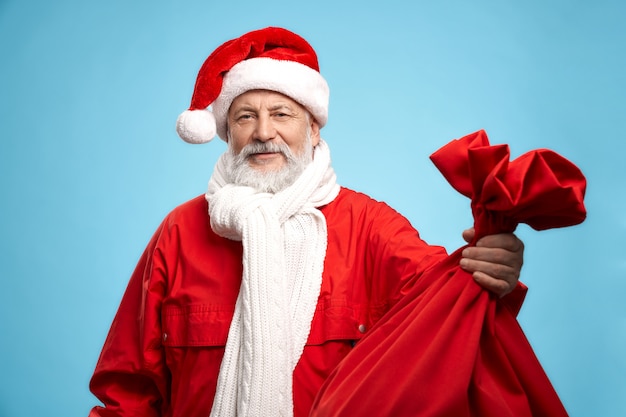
x: 247, y: 297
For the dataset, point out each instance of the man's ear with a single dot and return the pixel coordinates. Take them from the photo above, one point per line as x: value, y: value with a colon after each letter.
x: 315, y: 133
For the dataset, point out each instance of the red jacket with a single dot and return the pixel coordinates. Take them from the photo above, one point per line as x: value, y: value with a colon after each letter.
x: 163, y: 352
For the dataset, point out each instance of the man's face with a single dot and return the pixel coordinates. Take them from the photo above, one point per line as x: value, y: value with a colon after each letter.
x: 261, y: 116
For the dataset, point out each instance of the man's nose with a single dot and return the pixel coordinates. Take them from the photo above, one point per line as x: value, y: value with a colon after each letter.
x: 265, y: 129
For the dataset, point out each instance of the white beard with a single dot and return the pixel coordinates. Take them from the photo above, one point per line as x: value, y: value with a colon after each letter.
x: 240, y: 172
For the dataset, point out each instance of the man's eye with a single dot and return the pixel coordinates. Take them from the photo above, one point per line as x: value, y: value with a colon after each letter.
x: 245, y: 117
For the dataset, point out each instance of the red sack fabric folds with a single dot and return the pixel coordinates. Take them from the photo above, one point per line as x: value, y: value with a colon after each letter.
x: 449, y: 347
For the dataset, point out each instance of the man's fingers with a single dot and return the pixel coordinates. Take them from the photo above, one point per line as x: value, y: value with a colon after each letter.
x: 468, y: 234
x: 495, y: 262
x: 495, y: 270
x: 501, y: 257
x: 497, y: 286
x: 506, y: 241
x: 496, y: 277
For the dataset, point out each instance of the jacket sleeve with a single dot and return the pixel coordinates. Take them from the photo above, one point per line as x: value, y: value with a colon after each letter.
x: 398, y: 252
x: 397, y: 255
x: 131, y: 378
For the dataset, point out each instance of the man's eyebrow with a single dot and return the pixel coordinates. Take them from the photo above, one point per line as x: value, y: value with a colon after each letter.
x: 244, y: 107
x: 279, y: 106
x: 282, y: 106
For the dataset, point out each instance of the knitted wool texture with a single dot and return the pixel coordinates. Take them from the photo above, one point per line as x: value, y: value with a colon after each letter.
x: 284, y: 238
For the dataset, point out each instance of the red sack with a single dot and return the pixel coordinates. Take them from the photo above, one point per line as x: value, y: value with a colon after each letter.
x: 449, y: 347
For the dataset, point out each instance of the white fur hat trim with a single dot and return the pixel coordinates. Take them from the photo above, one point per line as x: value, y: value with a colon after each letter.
x: 297, y: 81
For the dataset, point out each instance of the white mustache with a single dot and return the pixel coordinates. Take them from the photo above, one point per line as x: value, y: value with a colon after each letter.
x: 265, y: 147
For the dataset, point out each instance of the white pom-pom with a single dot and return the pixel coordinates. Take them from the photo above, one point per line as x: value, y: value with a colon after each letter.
x: 196, y: 126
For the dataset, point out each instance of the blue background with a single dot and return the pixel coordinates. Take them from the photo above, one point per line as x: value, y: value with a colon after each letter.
x: 90, y: 162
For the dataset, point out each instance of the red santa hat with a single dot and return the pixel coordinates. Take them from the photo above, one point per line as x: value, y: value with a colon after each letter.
x: 267, y: 59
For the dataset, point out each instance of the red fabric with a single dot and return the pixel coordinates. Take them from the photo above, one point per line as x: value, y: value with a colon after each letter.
x: 451, y: 348
x: 165, y: 346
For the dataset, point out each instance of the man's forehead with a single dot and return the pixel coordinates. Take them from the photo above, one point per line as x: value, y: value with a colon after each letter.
x: 271, y: 99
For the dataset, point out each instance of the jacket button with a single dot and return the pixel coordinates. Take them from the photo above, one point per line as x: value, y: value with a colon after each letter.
x: 362, y: 328
x: 164, y: 337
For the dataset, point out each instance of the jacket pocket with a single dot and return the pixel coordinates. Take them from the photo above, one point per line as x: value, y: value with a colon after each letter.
x: 196, y: 325
x: 336, y: 320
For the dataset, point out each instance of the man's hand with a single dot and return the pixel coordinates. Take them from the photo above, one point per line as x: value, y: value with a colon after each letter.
x: 495, y: 262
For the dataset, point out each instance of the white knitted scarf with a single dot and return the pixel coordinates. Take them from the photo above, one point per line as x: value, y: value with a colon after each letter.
x: 284, y: 240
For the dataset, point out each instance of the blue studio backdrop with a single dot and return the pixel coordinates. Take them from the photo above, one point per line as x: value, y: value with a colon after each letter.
x: 90, y: 162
